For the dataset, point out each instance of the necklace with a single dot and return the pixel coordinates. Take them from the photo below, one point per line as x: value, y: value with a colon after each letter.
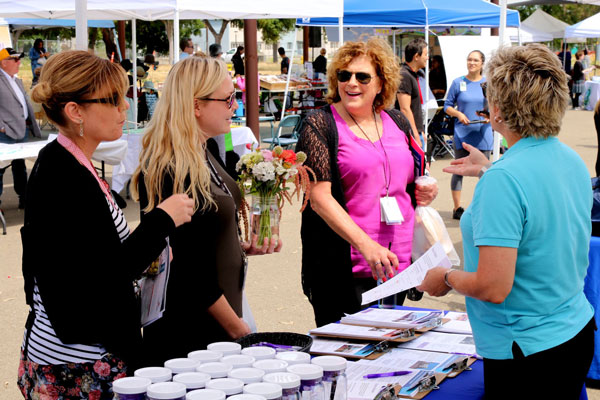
x: 387, y: 172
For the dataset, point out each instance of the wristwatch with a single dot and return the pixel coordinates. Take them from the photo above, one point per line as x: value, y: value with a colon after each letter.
x: 483, y: 169
x: 446, y: 275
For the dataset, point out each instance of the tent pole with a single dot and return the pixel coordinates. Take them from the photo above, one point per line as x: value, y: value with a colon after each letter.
x: 81, y: 25
x: 252, y: 84
x: 134, y: 62
x: 496, y: 148
x: 289, y: 75
x: 175, y: 36
x: 519, y: 33
x: 394, y: 40
x: 341, y: 30
x: 426, y: 80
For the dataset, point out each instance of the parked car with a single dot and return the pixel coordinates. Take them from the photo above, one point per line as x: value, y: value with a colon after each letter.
x: 227, y: 55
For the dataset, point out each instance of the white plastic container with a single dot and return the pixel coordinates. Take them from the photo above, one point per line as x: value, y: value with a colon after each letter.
x: 206, y: 356
x: 192, y: 380
x: 179, y: 365
x: 239, y: 360
x: 155, y: 374
x: 227, y: 348
x: 311, y: 381
x: 272, y: 365
x: 246, y: 397
x: 247, y: 375
x: 260, y: 352
x: 290, y: 383
x: 293, y: 357
x: 205, y: 394
x: 215, y: 369
x: 228, y: 385
x: 131, y: 388
x: 269, y: 391
x: 166, y: 391
x: 334, y: 376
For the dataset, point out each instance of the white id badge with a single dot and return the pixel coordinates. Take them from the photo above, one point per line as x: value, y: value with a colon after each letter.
x: 463, y: 86
x: 390, y: 211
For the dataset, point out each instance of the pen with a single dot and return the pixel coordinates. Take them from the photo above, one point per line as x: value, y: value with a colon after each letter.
x: 386, y: 374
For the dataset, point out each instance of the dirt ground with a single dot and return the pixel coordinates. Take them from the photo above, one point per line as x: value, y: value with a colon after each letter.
x: 273, y: 282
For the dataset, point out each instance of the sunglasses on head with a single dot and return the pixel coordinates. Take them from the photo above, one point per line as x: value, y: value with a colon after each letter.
x: 362, y: 77
x: 230, y: 100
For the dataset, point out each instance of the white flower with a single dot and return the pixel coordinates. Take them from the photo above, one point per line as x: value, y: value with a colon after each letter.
x: 264, y: 171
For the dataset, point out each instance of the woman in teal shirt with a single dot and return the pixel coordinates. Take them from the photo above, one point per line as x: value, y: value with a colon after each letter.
x: 526, y: 238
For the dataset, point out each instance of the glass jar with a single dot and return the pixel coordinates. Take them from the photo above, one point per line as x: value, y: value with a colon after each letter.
x: 271, y: 365
x: 265, y: 216
x: 311, y: 381
x: 206, y: 356
x: 179, y: 365
x: 166, y: 391
x: 131, y: 388
x: 215, y: 369
x: 247, y: 375
x: 269, y: 391
x: 239, y: 360
x: 293, y: 357
x: 205, y: 394
x: 192, y: 380
x: 227, y: 348
x: 290, y: 384
x: 228, y: 385
x: 335, y: 383
x: 155, y: 374
x: 260, y: 352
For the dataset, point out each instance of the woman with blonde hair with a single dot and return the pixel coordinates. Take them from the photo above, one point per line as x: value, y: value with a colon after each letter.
x: 208, y: 269
x: 364, y: 158
x: 526, y: 237
x: 79, y: 257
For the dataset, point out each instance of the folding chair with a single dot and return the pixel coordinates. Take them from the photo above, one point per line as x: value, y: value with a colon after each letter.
x: 286, y: 133
x: 438, y: 145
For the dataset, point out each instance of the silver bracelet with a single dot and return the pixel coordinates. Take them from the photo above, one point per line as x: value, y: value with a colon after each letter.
x: 483, y: 169
x: 447, y: 275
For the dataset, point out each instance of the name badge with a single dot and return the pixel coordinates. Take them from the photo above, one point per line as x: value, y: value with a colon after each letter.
x: 463, y: 86
x: 390, y: 211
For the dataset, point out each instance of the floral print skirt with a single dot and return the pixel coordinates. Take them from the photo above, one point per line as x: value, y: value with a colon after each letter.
x: 91, y: 380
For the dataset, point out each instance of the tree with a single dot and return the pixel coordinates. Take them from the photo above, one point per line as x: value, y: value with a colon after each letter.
x: 218, y: 35
x: 569, y: 13
x: 272, y: 29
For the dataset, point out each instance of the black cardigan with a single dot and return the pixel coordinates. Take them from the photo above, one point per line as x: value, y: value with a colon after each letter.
x: 327, y: 278
x: 83, y: 271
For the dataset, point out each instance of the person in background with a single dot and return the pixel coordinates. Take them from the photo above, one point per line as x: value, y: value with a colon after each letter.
x: 361, y: 152
x: 238, y: 62
x: 320, y: 63
x: 17, y: 118
x: 83, y: 330
x: 437, y: 77
x: 38, y: 56
x: 409, y: 92
x: 587, y: 62
x: 215, y: 50
x: 209, y: 259
x: 579, y: 73
x: 285, y: 61
x: 187, y: 48
x: 151, y: 95
x: 526, y: 238
x: 465, y: 98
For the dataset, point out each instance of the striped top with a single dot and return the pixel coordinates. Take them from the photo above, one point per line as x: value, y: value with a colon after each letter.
x: 45, y: 348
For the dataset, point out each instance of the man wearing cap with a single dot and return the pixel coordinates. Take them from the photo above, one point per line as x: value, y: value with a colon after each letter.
x: 17, y: 120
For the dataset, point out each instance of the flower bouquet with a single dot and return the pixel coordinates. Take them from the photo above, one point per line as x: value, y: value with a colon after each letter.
x: 264, y: 174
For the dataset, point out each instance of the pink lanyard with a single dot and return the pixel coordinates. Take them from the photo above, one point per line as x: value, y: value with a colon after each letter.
x: 78, y: 154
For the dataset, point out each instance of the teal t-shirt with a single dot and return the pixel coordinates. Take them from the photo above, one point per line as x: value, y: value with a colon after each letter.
x: 537, y: 198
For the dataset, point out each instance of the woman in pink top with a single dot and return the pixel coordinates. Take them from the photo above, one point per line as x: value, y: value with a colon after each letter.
x: 363, y: 155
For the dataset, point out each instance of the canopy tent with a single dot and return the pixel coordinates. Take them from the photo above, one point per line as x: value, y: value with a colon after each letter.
x: 544, y: 22
x: 526, y: 34
x: 514, y: 3
x: 589, y: 27
x: 37, y: 23
x: 418, y: 13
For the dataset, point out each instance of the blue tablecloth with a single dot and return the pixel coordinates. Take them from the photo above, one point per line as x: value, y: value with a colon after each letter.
x: 592, y: 291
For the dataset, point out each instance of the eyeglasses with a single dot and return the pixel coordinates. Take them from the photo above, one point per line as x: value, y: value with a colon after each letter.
x: 484, y: 89
x: 229, y: 100
x: 362, y: 77
x: 115, y: 100
x: 15, y: 59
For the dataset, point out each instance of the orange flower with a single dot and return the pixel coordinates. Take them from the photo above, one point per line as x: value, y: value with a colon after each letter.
x: 288, y: 156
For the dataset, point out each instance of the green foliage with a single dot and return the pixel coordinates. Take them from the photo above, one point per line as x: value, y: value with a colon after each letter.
x: 152, y: 35
x: 190, y: 27
x: 569, y: 13
x: 272, y: 29
x: 52, y: 33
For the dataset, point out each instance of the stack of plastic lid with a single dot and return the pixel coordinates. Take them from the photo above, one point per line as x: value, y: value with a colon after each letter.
x: 166, y: 391
x: 227, y: 348
x: 132, y: 388
x: 260, y: 352
x: 330, y: 363
x: 238, y: 360
x: 228, y: 385
x: 179, y: 365
x: 215, y: 369
x: 293, y: 357
x: 244, y: 396
x: 206, y: 356
x: 270, y: 391
x: 306, y: 371
x: 247, y: 375
x: 192, y: 380
x: 286, y: 380
x: 272, y: 365
x: 155, y: 374
x: 205, y: 394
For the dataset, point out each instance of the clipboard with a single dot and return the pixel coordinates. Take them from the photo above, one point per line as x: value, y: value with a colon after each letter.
x: 420, y: 385
x: 352, y: 350
x: 400, y: 335
x: 456, y: 365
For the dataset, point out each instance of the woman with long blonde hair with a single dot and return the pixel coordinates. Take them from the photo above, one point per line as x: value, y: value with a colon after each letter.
x: 209, y: 259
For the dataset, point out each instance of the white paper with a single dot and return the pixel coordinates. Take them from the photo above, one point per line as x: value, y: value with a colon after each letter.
x: 394, y: 318
x: 408, y: 359
x: 443, y: 342
x: 459, y: 323
x: 356, y: 331
x: 411, y: 276
x: 390, y: 211
x: 154, y: 290
x: 341, y: 348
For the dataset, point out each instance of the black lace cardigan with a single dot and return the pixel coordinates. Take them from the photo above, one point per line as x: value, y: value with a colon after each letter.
x: 326, y: 263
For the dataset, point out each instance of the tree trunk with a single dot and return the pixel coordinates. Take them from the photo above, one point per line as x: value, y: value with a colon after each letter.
x: 92, y: 39
x: 14, y: 37
x: 108, y: 37
x: 121, y: 35
x: 218, y: 36
x: 173, y: 47
x: 275, y: 45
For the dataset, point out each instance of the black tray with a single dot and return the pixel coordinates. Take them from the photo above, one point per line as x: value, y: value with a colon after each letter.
x: 284, y: 338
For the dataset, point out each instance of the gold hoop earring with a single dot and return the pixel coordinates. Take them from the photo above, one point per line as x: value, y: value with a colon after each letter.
x: 81, y: 127
x: 498, y: 119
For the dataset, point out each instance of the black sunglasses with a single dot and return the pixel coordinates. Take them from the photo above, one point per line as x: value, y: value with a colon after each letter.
x: 484, y: 89
x: 362, y: 77
x: 115, y: 100
x: 230, y: 100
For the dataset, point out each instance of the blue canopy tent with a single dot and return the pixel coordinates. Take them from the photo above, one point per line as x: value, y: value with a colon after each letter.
x: 42, y: 23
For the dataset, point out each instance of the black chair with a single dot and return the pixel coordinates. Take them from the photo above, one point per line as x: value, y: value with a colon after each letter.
x: 440, y: 134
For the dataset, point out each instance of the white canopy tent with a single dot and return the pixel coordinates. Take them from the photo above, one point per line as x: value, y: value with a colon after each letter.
x: 544, y: 22
x: 526, y: 34
x: 588, y: 28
